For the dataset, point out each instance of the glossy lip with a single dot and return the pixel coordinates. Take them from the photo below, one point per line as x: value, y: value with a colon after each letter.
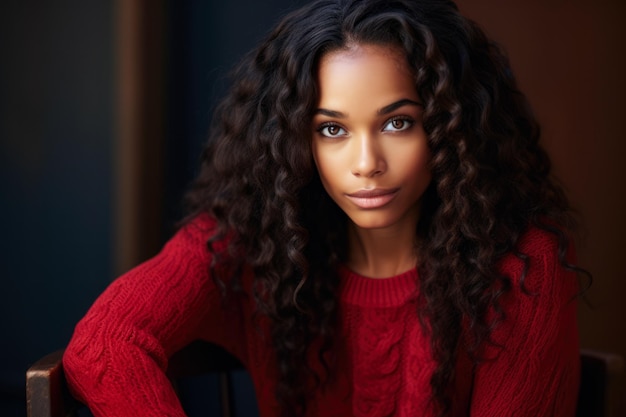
x: 372, y: 199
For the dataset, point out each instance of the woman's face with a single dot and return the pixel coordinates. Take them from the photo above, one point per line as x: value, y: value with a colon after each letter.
x: 368, y: 143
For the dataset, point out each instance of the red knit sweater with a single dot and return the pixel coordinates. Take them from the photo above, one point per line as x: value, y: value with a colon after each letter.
x: 116, y: 359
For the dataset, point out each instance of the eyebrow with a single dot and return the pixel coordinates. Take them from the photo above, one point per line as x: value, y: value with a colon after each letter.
x: 400, y: 103
x: 385, y: 110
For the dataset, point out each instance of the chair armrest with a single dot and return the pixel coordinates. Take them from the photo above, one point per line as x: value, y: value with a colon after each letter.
x: 600, y: 374
x: 47, y: 394
x: 612, y: 363
x: 46, y: 389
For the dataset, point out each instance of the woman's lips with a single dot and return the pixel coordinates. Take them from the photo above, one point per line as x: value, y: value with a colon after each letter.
x: 371, y: 199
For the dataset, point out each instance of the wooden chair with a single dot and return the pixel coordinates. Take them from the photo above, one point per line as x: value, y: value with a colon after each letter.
x: 599, y: 384
x: 47, y: 394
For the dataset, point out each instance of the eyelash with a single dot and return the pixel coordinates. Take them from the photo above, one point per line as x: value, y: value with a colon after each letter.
x: 408, y: 120
x: 326, y: 125
x: 409, y: 123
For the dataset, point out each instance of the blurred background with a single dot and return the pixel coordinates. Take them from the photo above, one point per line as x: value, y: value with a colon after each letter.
x: 104, y: 107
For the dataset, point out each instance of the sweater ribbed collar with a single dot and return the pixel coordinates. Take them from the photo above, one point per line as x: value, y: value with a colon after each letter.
x: 363, y: 291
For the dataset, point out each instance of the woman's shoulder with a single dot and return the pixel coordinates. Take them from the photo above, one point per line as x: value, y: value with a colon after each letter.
x: 535, y: 263
x: 534, y: 244
x: 538, y: 242
x: 194, y: 234
x: 201, y: 225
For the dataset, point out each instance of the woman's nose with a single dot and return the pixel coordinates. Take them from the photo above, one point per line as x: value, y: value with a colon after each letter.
x: 369, y: 160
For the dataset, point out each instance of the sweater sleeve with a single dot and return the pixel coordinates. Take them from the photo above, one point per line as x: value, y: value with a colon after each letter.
x: 117, y: 357
x: 533, y: 366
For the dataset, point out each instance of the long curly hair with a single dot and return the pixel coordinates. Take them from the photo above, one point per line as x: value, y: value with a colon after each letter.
x: 490, y: 180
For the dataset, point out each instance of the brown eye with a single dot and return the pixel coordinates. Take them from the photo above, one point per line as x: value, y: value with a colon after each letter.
x: 332, y: 131
x: 399, y: 124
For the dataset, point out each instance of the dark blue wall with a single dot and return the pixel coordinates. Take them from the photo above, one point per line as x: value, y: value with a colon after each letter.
x: 56, y: 107
x: 207, y: 38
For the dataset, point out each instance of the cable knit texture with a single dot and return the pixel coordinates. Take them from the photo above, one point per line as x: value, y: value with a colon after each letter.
x: 116, y: 359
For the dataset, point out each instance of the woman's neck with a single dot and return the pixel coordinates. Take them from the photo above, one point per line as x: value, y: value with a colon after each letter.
x: 382, y: 253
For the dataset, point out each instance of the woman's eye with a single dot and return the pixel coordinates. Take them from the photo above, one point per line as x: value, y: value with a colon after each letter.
x: 332, y: 131
x: 398, y: 125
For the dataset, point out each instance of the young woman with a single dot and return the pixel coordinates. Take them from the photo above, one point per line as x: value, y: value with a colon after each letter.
x: 374, y: 232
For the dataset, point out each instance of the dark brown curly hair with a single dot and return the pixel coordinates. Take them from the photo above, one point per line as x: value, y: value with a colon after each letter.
x: 490, y: 180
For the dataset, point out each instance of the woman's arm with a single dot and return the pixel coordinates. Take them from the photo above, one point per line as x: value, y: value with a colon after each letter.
x: 536, y: 370
x: 117, y: 357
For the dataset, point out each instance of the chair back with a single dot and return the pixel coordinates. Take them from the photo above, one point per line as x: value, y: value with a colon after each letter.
x: 599, y: 384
